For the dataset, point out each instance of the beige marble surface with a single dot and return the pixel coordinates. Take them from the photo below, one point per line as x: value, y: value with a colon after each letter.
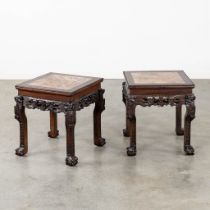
x: 157, y: 78
x: 59, y: 81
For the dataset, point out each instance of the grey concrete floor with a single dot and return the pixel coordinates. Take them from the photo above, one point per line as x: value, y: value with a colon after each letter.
x: 159, y: 177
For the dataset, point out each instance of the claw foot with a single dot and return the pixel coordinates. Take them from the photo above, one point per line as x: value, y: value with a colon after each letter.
x: 126, y: 133
x: 189, y: 150
x: 131, y: 151
x: 53, y: 135
x: 20, y: 151
x: 100, y: 142
x: 71, y: 161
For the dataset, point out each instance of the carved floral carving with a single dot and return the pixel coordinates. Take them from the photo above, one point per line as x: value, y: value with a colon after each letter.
x: 157, y: 100
x: 57, y: 106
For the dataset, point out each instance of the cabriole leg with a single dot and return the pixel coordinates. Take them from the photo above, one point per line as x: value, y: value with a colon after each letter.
x: 70, y: 121
x: 99, y: 108
x: 126, y: 130
x: 179, y: 129
x: 189, y: 116
x: 131, y: 150
x: 21, y: 117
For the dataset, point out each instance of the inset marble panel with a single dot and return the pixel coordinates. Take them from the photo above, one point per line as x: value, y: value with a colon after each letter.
x: 59, y: 81
x: 157, y: 78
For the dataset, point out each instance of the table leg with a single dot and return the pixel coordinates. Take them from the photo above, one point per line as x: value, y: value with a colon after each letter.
x: 179, y: 129
x: 131, y: 150
x: 126, y: 130
x: 70, y: 121
x: 189, y: 116
x: 53, y: 133
x: 22, y: 119
x: 99, y: 108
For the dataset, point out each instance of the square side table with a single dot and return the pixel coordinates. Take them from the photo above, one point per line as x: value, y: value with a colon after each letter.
x: 158, y: 88
x: 57, y: 93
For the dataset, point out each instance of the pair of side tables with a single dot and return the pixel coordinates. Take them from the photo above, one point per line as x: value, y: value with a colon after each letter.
x: 57, y: 93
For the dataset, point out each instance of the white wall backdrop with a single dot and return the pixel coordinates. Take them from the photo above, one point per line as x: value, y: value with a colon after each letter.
x: 97, y: 37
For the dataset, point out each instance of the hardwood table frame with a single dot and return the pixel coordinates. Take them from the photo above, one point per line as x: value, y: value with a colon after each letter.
x: 177, y: 99
x: 69, y: 108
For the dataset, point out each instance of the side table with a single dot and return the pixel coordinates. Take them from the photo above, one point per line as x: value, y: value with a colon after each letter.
x: 158, y: 88
x: 57, y: 93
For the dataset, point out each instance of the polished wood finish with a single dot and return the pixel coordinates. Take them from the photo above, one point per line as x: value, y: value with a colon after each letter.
x: 99, y: 108
x: 69, y: 95
x: 158, y: 94
x: 53, y: 133
x: 70, y: 121
x: 127, y: 129
x: 179, y: 129
x: 22, y: 119
x: 67, y: 100
x: 131, y: 118
x: 189, y: 116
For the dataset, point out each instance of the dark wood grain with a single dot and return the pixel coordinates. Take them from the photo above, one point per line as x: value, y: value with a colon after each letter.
x: 99, y: 108
x: 70, y: 121
x: 53, y: 133
x: 127, y: 128
x: 189, y: 116
x: 179, y: 129
x: 131, y: 106
x: 22, y: 119
x: 56, y: 101
x: 159, y: 95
